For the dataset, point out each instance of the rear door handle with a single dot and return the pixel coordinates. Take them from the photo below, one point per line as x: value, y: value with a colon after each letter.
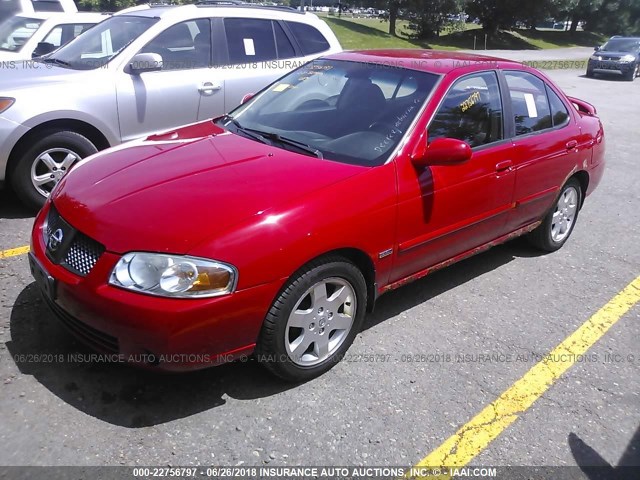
x: 208, y: 88
x: 504, y: 166
x: 571, y: 144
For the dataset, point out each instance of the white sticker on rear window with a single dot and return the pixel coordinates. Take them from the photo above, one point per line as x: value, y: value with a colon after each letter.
x: 249, y: 47
x: 531, y: 105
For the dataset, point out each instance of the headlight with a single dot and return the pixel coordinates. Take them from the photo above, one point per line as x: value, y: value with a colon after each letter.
x: 5, y: 103
x: 595, y: 57
x: 627, y: 58
x: 173, y: 275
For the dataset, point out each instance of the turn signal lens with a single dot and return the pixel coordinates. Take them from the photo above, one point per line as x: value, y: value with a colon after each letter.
x: 5, y: 103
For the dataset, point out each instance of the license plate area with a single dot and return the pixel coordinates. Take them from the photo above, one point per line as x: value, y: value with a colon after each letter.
x: 45, y: 281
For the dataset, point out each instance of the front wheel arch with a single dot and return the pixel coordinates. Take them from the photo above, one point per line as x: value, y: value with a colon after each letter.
x: 85, y: 129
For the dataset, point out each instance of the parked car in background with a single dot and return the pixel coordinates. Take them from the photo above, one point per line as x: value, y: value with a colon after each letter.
x: 8, y: 8
x: 275, y: 228
x: 619, y: 56
x: 138, y: 72
x: 26, y: 36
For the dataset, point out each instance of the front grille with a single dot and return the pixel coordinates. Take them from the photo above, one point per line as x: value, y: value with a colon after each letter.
x: 94, y: 338
x: 77, y: 252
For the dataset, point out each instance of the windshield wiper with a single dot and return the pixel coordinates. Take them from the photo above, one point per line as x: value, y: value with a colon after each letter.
x: 288, y: 141
x: 242, y: 130
x: 270, y: 137
x: 57, y: 61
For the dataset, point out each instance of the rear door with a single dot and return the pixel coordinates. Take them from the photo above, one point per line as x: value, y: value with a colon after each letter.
x: 547, y: 145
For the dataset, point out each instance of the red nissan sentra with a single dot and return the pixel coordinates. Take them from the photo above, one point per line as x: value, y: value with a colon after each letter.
x: 275, y: 228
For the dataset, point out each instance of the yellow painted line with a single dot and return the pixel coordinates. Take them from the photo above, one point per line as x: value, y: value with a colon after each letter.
x: 472, y: 438
x: 14, y: 252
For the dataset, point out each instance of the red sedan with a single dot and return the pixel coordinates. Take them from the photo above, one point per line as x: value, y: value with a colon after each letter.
x: 275, y: 228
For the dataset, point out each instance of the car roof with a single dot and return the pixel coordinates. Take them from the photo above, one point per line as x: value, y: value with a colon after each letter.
x: 65, y: 16
x: 216, y: 9
x: 433, y: 61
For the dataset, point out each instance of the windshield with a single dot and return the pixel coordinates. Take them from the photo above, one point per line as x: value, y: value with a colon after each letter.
x: 338, y: 110
x: 16, y: 31
x: 98, y: 45
x: 622, y: 45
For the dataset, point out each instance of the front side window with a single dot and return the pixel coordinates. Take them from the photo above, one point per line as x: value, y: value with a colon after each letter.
x: 183, y: 46
x: 100, y: 44
x: 339, y: 110
x: 529, y: 102
x: 16, y: 31
x: 471, y: 111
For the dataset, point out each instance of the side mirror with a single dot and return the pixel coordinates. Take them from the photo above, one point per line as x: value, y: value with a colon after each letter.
x: 597, y: 48
x: 246, y: 98
x: 144, y: 62
x: 43, y: 48
x: 442, y: 151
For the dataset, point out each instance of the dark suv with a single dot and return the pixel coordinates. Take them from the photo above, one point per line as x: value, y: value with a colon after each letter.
x: 620, y: 55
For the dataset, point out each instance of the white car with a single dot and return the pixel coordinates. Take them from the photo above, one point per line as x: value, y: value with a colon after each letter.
x: 35, y: 34
x: 142, y: 71
x: 8, y: 8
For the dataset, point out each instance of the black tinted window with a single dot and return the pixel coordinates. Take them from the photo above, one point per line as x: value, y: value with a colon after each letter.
x: 310, y: 39
x: 47, y: 6
x: 471, y: 111
x: 529, y: 102
x: 250, y: 40
x: 559, y: 113
x: 285, y: 49
x: 183, y: 46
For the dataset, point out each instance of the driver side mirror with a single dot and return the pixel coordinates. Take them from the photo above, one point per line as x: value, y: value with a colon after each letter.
x: 144, y: 62
x: 441, y: 151
x: 43, y: 48
x: 246, y: 98
x: 597, y: 48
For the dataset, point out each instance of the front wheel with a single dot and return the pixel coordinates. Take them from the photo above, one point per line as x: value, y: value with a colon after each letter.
x: 314, y: 320
x: 557, y: 225
x: 41, y: 166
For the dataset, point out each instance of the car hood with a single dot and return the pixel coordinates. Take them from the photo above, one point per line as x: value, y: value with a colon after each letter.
x: 26, y: 73
x: 170, y: 192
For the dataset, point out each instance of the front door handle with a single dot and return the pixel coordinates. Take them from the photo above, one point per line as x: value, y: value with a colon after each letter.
x: 571, y: 144
x: 504, y: 166
x: 208, y: 88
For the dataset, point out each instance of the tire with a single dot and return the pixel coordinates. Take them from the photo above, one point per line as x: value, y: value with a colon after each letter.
x: 63, y: 149
x: 299, y: 339
x: 558, y: 223
x: 590, y: 73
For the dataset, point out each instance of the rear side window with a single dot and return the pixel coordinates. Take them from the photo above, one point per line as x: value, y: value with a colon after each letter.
x: 529, y: 102
x: 310, y: 39
x: 250, y: 40
x: 559, y: 113
x: 471, y: 111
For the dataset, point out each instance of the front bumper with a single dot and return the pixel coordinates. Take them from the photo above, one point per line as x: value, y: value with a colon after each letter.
x: 610, y: 66
x: 153, y: 332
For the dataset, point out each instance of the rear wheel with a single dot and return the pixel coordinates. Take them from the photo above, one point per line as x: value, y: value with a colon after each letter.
x: 41, y: 166
x: 313, y: 322
x: 558, y: 224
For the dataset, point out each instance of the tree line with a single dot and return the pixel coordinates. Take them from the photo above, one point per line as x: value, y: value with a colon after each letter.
x: 429, y: 17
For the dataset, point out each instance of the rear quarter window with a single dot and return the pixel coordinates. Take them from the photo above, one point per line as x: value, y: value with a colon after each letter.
x: 310, y: 39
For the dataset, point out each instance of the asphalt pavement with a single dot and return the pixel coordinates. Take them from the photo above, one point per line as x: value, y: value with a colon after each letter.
x: 453, y: 341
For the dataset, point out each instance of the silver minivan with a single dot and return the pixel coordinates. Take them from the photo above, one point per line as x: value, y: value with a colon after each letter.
x: 143, y: 70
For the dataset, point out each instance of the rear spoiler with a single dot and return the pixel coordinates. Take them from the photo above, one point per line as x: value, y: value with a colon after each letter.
x: 583, y: 107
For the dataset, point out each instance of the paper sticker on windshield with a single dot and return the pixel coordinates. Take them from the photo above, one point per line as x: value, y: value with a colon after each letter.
x: 249, y: 47
x: 281, y: 87
x: 531, y: 105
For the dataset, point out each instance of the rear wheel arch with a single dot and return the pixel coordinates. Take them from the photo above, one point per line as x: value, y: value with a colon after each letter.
x: 583, y: 178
